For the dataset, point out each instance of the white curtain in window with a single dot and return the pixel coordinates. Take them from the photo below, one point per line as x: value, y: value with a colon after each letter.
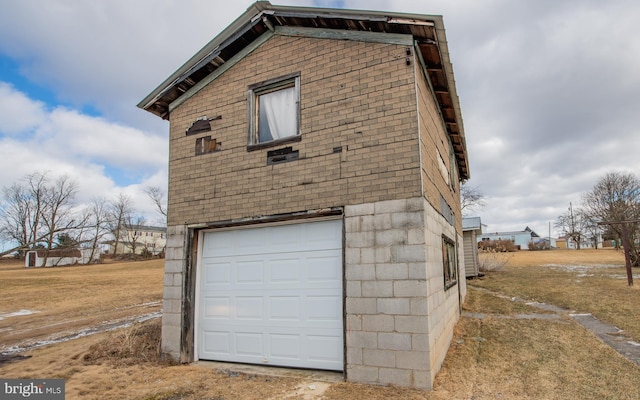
x: 280, y: 110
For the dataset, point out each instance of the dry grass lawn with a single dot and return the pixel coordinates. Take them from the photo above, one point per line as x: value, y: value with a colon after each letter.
x: 497, y: 357
x: 67, y: 299
x: 590, y: 281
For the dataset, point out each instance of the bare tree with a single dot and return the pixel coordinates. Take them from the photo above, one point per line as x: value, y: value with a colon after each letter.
x: 593, y: 231
x: 572, y: 224
x: 156, y: 194
x: 21, y: 211
x: 57, y: 210
x: 96, y: 226
x: 471, y: 199
x: 35, y: 211
x: 133, y: 229
x: 119, y: 211
x: 615, y: 200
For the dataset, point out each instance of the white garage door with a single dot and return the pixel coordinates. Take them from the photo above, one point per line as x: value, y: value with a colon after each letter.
x: 273, y: 296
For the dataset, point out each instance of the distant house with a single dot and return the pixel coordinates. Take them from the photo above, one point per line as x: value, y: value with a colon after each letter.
x: 567, y: 242
x: 59, y: 257
x: 520, y: 239
x: 471, y: 230
x: 140, y: 238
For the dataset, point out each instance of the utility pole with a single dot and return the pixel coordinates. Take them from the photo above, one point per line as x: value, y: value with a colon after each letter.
x: 572, y: 226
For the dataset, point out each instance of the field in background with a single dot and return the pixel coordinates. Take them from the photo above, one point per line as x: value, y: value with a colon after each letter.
x: 62, y: 300
x: 587, y: 281
x: 496, y: 356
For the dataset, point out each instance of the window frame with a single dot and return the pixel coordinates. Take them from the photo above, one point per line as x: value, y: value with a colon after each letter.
x: 254, y: 92
x: 449, y: 267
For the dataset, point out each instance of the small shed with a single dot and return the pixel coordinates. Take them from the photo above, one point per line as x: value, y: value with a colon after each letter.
x: 59, y: 257
x: 471, y: 228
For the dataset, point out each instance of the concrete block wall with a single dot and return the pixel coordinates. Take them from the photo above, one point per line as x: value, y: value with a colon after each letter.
x: 394, y: 282
x: 442, y: 304
x: 173, y: 289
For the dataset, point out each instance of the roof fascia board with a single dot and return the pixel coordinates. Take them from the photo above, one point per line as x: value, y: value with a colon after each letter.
x: 332, y: 14
x: 238, y: 24
x: 425, y: 73
x: 371, y: 15
x: 423, y: 65
x: 443, y: 48
x: 254, y: 13
x: 340, y: 34
x: 371, y: 37
x: 220, y: 70
x: 213, y: 54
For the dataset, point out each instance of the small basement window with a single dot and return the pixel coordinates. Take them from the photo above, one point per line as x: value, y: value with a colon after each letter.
x: 274, y: 111
x: 450, y: 262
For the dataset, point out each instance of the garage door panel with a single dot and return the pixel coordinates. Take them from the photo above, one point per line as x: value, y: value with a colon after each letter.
x: 249, y: 308
x: 284, y: 308
x: 324, y: 348
x: 324, y: 237
x: 273, y: 295
x: 249, y: 344
x: 324, y: 308
x: 274, y: 239
x: 285, y: 346
x: 217, y: 307
x: 285, y: 269
x: 217, y: 273
x: 262, y: 309
x: 292, y: 348
x: 250, y: 271
x: 217, y: 343
x: 316, y: 266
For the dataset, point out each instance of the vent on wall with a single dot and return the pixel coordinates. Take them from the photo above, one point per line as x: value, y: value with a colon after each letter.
x: 282, y: 155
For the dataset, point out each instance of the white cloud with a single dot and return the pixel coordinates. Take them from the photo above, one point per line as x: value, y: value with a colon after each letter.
x: 549, y: 90
x: 18, y: 113
x: 70, y: 133
x: 109, y: 54
x: 86, y: 148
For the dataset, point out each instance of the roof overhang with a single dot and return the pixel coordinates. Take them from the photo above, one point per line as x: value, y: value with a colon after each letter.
x: 262, y: 17
x: 471, y: 224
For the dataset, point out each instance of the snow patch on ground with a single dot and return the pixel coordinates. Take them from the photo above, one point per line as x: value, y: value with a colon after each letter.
x: 103, y: 327
x: 16, y: 314
x: 582, y: 271
x: 580, y: 268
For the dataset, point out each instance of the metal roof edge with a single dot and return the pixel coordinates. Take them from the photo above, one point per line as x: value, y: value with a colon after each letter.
x: 246, y: 17
x: 443, y: 47
x: 253, y: 12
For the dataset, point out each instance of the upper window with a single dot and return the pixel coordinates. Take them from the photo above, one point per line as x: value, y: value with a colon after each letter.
x: 274, y: 110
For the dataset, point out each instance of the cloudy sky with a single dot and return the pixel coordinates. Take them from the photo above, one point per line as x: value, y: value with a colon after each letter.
x: 549, y: 89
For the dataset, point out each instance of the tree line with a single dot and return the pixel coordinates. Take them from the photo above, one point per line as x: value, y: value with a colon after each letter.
x: 39, y: 211
x: 610, y: 210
